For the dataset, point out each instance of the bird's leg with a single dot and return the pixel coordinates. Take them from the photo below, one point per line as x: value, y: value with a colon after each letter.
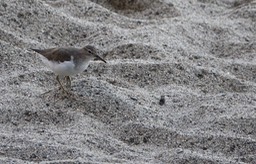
x: 68, y: 85
x: 57, y: 78
x: 67, y: 94
x: 68, y: 81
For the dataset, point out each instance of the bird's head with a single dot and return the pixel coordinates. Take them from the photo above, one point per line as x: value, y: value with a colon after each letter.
x: 92, y: 52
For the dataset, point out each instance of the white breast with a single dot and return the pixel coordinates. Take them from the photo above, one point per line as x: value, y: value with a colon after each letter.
x: 66, y: 68
x: 82, y: 65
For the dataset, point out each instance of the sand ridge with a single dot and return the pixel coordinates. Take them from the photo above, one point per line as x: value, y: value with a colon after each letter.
x: 198, y: 55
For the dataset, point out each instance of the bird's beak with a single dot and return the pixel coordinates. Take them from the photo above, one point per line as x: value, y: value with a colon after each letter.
x: 100, y: 58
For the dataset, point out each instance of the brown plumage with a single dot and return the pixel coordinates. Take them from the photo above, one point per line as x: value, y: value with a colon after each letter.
x: 64, y: 54
x: 68, y: 61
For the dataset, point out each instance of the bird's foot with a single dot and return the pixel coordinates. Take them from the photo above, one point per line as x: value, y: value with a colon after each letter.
x: 67, y: 94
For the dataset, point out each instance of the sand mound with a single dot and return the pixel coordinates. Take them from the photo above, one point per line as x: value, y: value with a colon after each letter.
x: 179, y: 85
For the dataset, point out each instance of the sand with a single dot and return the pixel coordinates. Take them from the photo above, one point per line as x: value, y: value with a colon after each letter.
x: 179, y: 85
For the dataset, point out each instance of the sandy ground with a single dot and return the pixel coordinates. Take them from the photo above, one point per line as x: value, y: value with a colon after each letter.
x: 198, y: 55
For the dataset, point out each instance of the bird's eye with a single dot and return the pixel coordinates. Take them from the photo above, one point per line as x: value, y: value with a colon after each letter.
x: 90, y: 51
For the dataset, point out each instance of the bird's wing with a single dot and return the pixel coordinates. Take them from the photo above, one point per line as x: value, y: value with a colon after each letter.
x: 55, y: 54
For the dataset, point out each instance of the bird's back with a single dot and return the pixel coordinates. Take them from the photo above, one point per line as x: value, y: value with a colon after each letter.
x: 58, y: 54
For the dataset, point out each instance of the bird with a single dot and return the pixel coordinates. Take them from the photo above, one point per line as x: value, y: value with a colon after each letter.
x: 68, y: 61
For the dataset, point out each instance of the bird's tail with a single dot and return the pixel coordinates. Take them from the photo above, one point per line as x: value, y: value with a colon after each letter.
x: 37, y: 50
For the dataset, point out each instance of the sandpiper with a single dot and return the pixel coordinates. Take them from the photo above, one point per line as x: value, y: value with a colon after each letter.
x: 65, y: 62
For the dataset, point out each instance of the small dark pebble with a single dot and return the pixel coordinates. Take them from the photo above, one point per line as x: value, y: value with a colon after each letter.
x: 179, y: 150
x: 40, y: 131
x: 133, y: 98
x: 4, y: 5
x: 44, y: 156
x: 33, y: 156
x: 162, y: 100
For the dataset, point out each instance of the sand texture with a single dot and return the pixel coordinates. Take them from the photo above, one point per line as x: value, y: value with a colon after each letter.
x: 179, y: 85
